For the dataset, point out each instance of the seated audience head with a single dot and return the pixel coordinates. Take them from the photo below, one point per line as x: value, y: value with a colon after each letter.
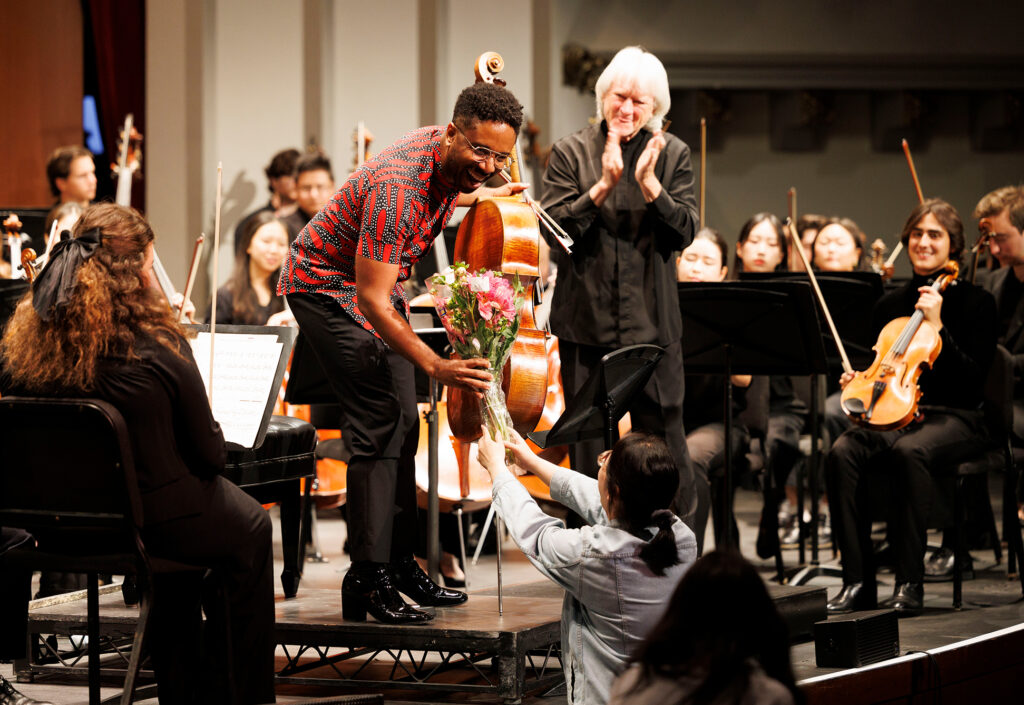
x: 637, y: 480
x: 1000, y: 214
x: 760, y: 247
x: 719, y: 620
x: 71, y: 172
x: 94, y: 300
x: 932, y: 236
x: 632, y: 92
x: 481, y: 135
x: 839, y: 246
x: 266, y: 245
x: 704, y: 260
x: 281, y: 177
x: 314, y: 182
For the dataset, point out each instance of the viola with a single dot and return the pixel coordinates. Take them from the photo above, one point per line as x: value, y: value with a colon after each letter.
x: 884, y: 397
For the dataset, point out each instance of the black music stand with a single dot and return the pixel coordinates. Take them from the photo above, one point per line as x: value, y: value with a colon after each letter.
x: 595, y: 410
x: 427, y: 325
x: 850, y: 297
x: 749, y: 328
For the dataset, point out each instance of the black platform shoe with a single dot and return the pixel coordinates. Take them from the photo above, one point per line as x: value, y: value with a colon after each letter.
x: 853, y: 597
x: 10, y: 696
x: 410, y: 579
x: 371, y: 589
x: 907, y: 599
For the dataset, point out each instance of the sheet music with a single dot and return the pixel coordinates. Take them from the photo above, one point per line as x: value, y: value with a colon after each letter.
x: 244, y: 370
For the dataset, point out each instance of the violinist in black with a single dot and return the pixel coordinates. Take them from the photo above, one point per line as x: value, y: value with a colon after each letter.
x: 904, y: 459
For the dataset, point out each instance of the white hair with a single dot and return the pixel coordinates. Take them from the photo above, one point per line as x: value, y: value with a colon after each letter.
x: 643, y: 70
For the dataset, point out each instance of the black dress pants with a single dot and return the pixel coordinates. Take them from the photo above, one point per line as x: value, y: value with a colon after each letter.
x: 657, y: 409
x: 903, y: 461
x: 377, y: 392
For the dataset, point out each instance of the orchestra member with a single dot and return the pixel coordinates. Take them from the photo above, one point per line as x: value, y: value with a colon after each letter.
x: 807, y: 227
x: 704, y: 407
x: 1001, y: 215
x: 342, y: 282
x: 965, y: 318
x: 71, y: 172
x: 624, y: 191
x: 250, y: 297
x: 314, y: 186
x: 281, y: 182
x: 838, y: 246
x: 619, y: 570
x: 759, y: 247
x: 15, y: 586
x: 94, y: 326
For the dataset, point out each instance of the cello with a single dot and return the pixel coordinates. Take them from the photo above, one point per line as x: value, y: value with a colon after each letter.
x: 503, y: 234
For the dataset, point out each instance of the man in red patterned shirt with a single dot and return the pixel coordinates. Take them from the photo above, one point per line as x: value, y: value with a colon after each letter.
x: 342, y: 282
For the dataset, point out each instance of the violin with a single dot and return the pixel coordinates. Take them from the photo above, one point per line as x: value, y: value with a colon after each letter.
x: 884, y: 397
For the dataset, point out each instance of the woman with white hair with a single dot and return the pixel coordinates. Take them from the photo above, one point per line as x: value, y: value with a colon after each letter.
x: 624, y: 191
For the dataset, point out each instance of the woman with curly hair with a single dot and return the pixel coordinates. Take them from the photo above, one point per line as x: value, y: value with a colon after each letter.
x: 94, y: 326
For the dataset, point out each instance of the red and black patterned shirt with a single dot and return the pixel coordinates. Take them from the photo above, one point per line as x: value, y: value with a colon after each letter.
x: 390, y: 210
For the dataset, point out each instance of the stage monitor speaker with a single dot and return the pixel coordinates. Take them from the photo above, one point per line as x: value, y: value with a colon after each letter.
x: 857, y: 639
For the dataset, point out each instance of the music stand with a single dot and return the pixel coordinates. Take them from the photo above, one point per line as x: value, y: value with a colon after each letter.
x: 595, y: 410
x: 850, y: 297
x: 749, y: 328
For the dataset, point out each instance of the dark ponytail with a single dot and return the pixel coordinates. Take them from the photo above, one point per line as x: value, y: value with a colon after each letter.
x: 660, y: 552
x: 644, y: 477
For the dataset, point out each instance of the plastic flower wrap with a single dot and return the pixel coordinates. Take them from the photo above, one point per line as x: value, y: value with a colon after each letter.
x: 478, y: 310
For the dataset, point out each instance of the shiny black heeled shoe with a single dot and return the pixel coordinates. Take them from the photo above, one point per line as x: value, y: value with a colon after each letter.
x: 371, y: 589
x: 410, y: 579
x: 853, y: 597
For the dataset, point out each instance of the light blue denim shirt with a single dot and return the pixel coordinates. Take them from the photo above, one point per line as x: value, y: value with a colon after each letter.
x: 612, y: 599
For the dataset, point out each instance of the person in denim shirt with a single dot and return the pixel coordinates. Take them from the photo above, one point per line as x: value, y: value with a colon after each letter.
x: 618, y: 571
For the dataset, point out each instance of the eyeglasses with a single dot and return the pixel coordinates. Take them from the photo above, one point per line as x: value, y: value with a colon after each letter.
x: 602, y: 458
x: 482, y: 153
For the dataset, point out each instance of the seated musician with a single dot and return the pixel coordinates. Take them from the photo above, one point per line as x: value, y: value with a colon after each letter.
x: 1001, y: 215
x: 838, y: 246
x: 95, y: 327
x: 620, y: 570
x: 807, y: 227
x: 704, y: 407
x: 904, y: 459
x: 250, y: 297
x: 280, y: 174
x: 760, y: 248
x: 314, y: 186
x: 71, y: 172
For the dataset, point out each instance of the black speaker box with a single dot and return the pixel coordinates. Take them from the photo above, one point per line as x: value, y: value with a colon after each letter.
x: 857, y: 639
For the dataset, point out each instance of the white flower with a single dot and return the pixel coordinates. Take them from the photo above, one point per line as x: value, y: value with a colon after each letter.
x: 479, y: 284
x: 476, y: 344
x: 449, y: 275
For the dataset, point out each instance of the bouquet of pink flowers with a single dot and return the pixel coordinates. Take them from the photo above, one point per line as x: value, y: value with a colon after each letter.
x: 478, y: 310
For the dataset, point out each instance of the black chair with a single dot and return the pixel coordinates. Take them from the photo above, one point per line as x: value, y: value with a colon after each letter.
x: 79, y: 498
x: 996, y: 454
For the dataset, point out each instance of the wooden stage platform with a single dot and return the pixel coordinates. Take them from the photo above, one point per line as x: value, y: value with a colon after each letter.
x: 469, y: 649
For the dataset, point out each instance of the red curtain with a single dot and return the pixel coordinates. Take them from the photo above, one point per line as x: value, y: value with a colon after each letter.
x: 119, y: 38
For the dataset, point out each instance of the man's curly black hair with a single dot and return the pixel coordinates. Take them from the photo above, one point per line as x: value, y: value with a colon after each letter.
x: 489, y: 103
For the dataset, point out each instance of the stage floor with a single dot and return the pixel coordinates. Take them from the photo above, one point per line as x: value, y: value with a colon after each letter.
x: 990, y: 604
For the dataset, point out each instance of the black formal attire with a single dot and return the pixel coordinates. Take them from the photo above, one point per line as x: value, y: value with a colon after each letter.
x: 226, y: 314
x: 1008, y: 292
x: 618, y: 287
x: 192, y: 514
x: 902, y: 461
x: 704, y: 415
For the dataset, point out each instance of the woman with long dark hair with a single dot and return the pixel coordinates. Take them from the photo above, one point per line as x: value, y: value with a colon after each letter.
x: 618, y: 570
x: 94, y: 326
x: 720, y: 641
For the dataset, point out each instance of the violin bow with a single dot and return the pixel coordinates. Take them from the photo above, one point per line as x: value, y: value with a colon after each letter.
x: 703, y: 166
x: 790, y: 228
x: 920, y: 199
x: 196, y: 252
